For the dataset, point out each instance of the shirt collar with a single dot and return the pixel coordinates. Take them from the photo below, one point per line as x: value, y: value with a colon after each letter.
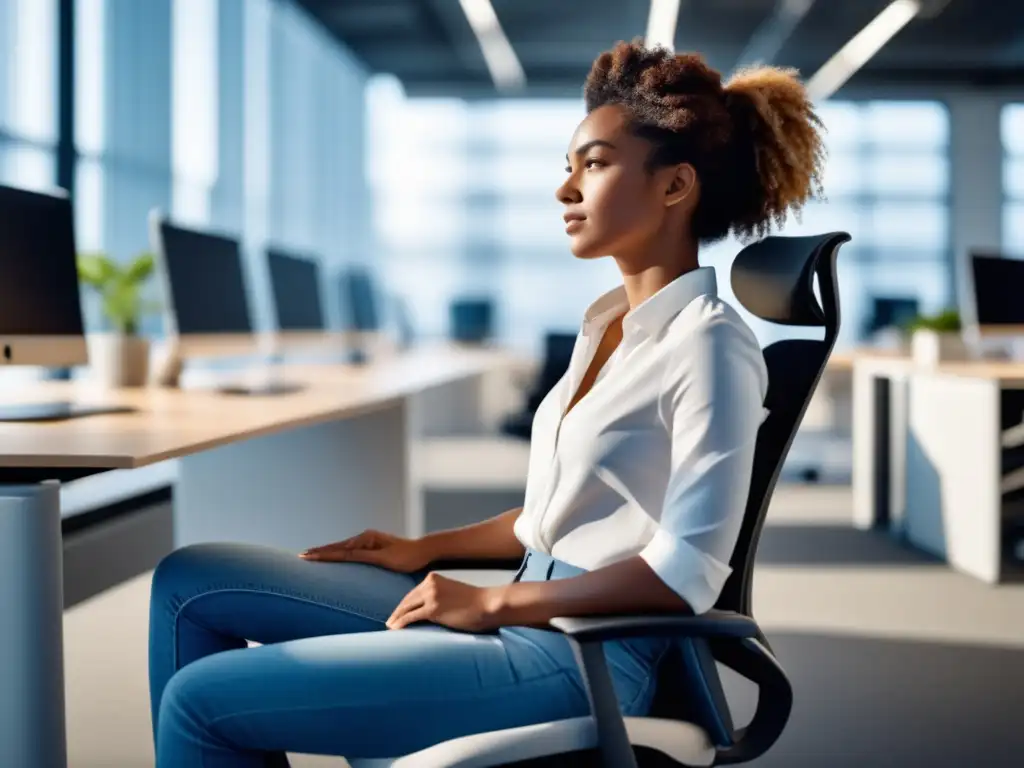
x: 657, y: 311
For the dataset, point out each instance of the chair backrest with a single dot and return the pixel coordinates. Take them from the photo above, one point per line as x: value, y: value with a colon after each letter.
x: 774, y: 280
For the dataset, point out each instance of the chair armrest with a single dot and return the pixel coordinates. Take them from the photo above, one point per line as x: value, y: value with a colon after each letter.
x: 713, y: 624
x: 753, y: 660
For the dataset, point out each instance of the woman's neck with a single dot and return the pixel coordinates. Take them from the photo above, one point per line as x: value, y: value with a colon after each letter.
x: 641, y: 284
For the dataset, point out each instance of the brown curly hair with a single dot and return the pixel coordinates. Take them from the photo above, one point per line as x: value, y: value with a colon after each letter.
x: 754, y: 141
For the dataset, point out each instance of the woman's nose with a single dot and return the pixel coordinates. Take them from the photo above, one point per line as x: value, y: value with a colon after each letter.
x: 567, y: 193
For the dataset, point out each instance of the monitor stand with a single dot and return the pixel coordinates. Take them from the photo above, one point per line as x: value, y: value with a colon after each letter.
x: 263, y: 389
x: 357, y: 356
x: 265, y: 381
x: 59, y: 410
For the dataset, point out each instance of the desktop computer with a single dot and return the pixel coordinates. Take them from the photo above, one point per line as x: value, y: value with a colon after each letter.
x: 358, y: 297
x: 991, y: 304
x: 40, y: 305
x: 206, y: 301
x: 295, y: 281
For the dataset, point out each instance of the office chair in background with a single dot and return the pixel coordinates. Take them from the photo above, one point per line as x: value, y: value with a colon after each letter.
x: 557, y: 355
x: 690, y: 723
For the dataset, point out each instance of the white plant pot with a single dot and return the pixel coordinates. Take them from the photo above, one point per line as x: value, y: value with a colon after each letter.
x: 117, y: 360
x: 930, y: 348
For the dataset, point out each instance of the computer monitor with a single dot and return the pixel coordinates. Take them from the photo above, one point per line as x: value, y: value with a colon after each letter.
x: 358, y: 300
x: 296, y: 285
x: 40, y: 305
x: 997, y: 288
x: 891, y: 312
x: 206, y: 299
x: 359, y: 311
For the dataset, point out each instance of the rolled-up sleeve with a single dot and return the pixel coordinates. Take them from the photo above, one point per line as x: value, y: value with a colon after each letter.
x: 712, y: 405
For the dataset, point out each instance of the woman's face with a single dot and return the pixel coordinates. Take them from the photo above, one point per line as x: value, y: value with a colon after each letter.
x: 613, y: 204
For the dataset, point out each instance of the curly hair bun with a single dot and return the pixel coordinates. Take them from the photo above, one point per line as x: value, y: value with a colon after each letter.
x: 755, y: 140
x: 787, y: 138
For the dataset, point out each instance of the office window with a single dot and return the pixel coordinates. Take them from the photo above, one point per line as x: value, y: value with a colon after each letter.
x: 28, y: 93
x: 475, y: 184
x: 194, y: 81
x: 1013, y: 178
x: 28, y: 110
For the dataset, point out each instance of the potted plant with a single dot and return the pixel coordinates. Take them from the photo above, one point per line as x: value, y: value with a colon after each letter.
x: 936, y: 338
x: 119, y: 357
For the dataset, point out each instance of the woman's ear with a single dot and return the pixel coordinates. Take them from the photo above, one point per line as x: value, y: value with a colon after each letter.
x: 681, y: 184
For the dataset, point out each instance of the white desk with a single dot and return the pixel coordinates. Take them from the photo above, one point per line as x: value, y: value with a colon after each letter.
x: 293, y: 470
x: 932, y: 456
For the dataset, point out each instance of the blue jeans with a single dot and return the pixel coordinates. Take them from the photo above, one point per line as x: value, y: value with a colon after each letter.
x: 329, y: 678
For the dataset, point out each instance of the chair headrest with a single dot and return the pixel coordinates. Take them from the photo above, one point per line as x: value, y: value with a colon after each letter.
x: 774, y: 278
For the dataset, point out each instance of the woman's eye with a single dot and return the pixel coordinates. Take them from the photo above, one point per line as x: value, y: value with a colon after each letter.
x: 593, y: 164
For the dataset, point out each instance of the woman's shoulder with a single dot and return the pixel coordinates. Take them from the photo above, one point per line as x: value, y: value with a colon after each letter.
x: 710, y: 319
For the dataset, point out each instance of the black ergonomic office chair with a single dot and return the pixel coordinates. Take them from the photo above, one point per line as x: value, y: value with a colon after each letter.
x: 690, y: 723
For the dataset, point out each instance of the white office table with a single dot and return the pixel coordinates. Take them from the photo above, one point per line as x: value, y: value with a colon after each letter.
x: 932, y: 458
x: 293, y: 470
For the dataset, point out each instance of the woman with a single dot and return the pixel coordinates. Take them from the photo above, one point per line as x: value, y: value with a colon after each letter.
x: 638, y: 476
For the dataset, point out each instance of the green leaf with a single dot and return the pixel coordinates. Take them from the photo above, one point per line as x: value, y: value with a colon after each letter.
x: 140, y: 268
x: 96, y: 269
x: 947, y: 321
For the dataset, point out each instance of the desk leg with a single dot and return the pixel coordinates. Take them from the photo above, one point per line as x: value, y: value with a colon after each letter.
x: 32, y: 729
x: 870, y: 471
x: 303, y: 487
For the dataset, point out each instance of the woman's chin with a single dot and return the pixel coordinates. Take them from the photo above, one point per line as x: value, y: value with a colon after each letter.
x: 581, y: 249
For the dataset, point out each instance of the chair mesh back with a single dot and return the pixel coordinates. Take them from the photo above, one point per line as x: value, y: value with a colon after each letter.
x: 794, y: 367
x: 773, y: 279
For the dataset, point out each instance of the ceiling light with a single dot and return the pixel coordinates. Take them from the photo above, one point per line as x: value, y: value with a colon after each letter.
x: 855, y: 54
x: 661, y: 24
x: 501, y: 60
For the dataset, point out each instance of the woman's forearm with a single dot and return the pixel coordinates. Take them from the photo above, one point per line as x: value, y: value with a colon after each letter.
x: 628, y: 586
x: 491, y: 539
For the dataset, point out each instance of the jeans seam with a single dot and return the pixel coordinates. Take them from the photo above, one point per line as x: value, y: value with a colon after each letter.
x: 495, y: 690
x: 298, y: 598
x: 651, y: 674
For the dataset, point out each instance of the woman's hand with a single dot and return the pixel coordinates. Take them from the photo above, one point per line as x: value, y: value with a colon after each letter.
x: 386, y: 550
x: 449, y: 602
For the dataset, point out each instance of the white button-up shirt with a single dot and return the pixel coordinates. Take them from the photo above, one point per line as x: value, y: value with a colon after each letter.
x: 656, y: 459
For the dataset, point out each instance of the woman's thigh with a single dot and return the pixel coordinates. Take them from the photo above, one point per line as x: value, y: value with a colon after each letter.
x: 269, y: 595
x: 361, y: 695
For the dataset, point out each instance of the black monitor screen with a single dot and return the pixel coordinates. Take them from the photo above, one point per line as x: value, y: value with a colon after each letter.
x: 359, y: 301
x: 296, y: 284
x: 998, y: 289
x: 38, y: 276
x: 891, y: 312
x: 206, y: 282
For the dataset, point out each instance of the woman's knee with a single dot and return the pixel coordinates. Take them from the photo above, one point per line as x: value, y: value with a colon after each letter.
x: 185, y: 713
x: 182, y: 569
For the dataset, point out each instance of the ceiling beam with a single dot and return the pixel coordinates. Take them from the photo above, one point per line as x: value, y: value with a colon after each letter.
x: 455, y: 26
x: 771, y: 35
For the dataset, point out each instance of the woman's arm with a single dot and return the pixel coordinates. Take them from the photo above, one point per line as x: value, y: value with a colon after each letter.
x: 628, y: 586
x: 490, y: 539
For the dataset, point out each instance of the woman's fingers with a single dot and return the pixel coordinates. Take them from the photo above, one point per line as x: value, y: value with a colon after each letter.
x: 364, y: 539
x: 413, y: 600
x: 422, y: 613
x: 356, y: 555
